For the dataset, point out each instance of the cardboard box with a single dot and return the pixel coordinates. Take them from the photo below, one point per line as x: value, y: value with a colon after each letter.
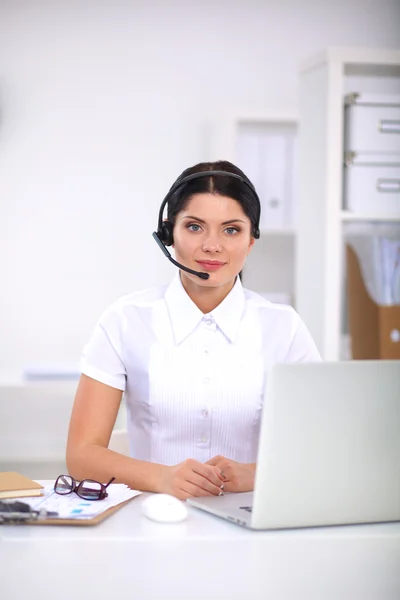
x: 374, y: 329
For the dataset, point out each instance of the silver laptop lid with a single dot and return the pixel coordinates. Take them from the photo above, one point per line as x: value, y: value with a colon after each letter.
x: 329, y: 448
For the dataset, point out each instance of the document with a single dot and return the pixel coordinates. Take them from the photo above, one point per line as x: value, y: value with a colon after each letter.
x: 71, y: 506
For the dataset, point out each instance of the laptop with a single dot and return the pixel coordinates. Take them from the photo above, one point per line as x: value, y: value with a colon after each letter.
x: 329, y: 449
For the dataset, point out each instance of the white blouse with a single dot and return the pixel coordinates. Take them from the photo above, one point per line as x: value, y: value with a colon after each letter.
x: 193, y: 383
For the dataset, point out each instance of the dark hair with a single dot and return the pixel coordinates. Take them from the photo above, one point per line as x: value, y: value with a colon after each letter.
x: 215, y: 184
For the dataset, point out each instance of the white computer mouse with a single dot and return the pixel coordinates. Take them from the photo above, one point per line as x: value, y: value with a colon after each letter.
x: 164, y: 508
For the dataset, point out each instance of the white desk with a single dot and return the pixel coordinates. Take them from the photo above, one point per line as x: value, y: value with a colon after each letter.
x: 128, y: 556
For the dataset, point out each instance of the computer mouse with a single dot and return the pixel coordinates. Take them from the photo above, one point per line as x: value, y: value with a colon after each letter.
x: 164, y: 508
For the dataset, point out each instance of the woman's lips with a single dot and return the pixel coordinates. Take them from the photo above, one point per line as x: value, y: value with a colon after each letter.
x: 210, y: 265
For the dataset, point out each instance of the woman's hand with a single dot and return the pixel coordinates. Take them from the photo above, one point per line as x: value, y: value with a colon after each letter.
x: 237, y: 477
x: 192, y: 478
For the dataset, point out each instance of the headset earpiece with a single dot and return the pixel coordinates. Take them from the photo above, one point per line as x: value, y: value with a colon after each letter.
x: 166, y: 233
x: 256, y: 233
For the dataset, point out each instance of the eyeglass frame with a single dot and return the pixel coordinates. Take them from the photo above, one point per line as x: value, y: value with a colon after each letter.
x: 75, y: 487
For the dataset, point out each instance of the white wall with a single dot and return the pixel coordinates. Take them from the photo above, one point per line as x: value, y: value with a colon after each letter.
x: 102, y: 105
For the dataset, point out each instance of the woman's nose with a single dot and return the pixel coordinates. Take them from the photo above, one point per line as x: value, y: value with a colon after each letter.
x: 211, y: 244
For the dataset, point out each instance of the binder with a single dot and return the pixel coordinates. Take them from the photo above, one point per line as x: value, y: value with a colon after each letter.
x: 374, y: 329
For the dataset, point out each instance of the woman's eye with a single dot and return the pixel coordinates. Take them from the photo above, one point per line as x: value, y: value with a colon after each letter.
x: 193, y: 227
x: 231, y: 230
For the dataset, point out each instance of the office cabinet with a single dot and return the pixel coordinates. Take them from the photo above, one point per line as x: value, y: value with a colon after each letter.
x: 325, y: 81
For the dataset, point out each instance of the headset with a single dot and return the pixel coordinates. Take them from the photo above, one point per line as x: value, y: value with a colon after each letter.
x: 164, y: 234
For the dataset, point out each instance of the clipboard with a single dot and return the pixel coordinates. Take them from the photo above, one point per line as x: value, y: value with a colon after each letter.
x: 80, y: 522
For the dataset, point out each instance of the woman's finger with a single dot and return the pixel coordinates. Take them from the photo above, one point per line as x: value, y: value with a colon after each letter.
x: 208, y: 472
x: 204, y: 484
x: 190, y: 490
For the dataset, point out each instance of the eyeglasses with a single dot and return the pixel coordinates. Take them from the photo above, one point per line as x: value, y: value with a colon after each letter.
x: 88, y: 489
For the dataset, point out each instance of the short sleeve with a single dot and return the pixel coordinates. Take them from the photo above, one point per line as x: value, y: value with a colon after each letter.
x: 302, y: 347
x: 101, y: 357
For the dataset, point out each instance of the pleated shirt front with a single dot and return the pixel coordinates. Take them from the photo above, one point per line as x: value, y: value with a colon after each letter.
x: 193, y: 383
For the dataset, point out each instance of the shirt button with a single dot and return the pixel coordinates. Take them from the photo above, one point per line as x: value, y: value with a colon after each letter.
x: 209, y: 322
x: 206, y: 380
x: 204, y: 439
x: 204, y: 413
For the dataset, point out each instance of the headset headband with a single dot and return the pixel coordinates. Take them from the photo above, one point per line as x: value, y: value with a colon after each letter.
x: 199, y: 174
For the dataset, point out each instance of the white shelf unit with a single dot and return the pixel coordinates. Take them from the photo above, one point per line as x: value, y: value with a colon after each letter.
x: 324, y: 81
x: 373, y: 218
x: 270, y: 267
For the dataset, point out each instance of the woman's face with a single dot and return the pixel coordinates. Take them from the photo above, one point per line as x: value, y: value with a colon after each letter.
x: 213, y: 235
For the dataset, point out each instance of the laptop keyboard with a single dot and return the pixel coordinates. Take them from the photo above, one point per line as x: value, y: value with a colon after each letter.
x: 246, y: 508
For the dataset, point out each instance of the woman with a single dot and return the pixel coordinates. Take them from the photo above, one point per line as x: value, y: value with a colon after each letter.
x: 192, y: 358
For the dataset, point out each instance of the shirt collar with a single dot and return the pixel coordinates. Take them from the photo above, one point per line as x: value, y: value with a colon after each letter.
x: 185, y: 315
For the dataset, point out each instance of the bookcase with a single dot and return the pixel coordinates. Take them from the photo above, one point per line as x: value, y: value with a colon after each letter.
x: 320, y: 275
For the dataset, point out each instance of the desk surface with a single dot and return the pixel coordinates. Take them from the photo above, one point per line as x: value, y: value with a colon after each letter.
x: 202, y: 557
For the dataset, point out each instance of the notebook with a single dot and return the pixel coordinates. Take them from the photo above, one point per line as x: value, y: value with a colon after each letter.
x: 15, y: 485
x: 329, y: 450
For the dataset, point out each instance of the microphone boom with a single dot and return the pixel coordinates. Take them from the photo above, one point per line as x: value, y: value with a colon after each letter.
x: 168, y: 255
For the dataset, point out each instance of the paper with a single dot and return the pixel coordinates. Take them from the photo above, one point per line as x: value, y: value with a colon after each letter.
x: 71, y: 506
